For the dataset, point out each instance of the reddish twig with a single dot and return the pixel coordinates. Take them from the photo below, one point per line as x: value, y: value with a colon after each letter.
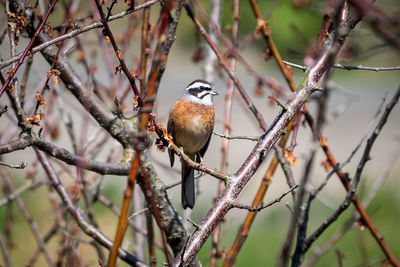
x: 227, y: 130
x: 76, y: 213
x: 223, y: 63
x: 347, y: 184
x: 123, y: 218
x: 243, y: 175
x: 242, y: 234
x: 144, y: 49
x: 118, y: 53
x: 13, y: 71
x: 75, y: 32
x: 49, y: 74
x: 264, y: 30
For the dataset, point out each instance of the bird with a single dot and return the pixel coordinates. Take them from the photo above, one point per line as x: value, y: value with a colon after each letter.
x: 191, y: 123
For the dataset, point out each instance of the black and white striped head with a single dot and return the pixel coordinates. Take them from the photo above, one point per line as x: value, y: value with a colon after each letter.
x: 200, y: 92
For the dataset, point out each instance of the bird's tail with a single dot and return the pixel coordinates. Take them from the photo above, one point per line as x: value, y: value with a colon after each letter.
x: 187, y: 186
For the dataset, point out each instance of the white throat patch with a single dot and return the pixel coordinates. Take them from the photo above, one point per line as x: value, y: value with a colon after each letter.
x: 207, y: 100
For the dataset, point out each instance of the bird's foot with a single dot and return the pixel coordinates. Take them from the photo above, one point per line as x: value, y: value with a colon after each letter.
x: 181, y: 152
x: 202, y: 166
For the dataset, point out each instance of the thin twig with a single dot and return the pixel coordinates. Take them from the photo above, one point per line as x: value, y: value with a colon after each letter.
x: 24, y: 187
x: 251, y: 138
x: 79, y: 30
x: 118, y: 53
x: 365, y: 157
x: 262, y: 206
x: 346, y: 67
x: 14, y: 70
x: 223, y: 63
x: 210, y: 71
x: 31, y: 222
x: 5, y: 252
x: 297, y: 212
x: 21, y: 166
x: 3, y: 110
x: 356, y: 217
x: 76, y: 213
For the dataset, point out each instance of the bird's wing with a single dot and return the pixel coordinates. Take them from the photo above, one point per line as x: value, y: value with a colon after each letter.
x: 204, y: 149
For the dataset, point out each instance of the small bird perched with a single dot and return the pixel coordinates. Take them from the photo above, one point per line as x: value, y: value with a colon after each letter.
x: 191, y: 123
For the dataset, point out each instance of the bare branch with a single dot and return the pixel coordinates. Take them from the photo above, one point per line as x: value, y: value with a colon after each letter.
x: 262, y: 206
x: 243, y: 175
x: 251, y: 138
x: 365, y: 157
x: 32, y: 224
x: 76, y: 213
x: 76, y: 32
x: 346, y: 67
x: 21, y: 165
x: 14, y: 70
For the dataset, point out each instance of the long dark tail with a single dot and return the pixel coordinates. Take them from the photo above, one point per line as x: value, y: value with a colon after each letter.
x: 187, y: 186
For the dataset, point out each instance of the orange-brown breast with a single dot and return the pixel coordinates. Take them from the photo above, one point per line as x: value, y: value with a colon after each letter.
x: 192, y: 125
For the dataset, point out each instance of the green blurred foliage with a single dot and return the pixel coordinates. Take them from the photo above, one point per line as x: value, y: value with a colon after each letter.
x: 293, y: 28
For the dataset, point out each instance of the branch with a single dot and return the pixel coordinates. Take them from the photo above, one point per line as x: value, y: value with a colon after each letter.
x: 118, y: 53
x: 77, y: 31
x: 32, y: 224
x: 26, y: 186
x: 346, y: 67
x: 210, y: 65
x: 65, y: 156
x: 239, y: 205
x: 377, y: 20
x: 356, y: 217
x: 123, y: 218
x: 76, y: 213
x: 3, y: 110
x: 15, y: 145
x: 79, y: 161
x: 346, y: 183
x: 14, y: 70
x: 229, y: 137
x: 225, y: 66
x: 5, y: 252
x: 268, y: 139
x: 350, y: 194
x: 198, y: 166
x: 21, y: 165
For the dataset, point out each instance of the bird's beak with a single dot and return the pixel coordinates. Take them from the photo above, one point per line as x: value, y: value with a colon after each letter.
x: 213, y: 92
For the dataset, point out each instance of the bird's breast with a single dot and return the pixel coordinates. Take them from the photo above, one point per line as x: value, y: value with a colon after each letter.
x: 193, y: 125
